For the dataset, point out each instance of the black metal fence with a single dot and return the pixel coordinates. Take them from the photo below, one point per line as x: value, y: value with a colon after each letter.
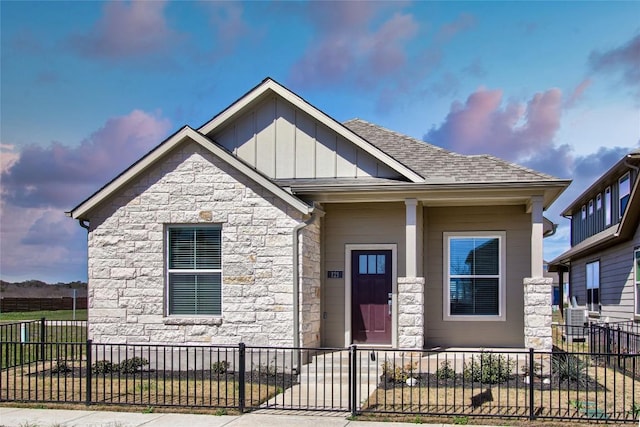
x: 517, y: 384
x: 14, y: 336
x: 620, y: 341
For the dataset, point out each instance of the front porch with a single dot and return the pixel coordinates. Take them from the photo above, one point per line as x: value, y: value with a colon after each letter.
x: 415, y: 306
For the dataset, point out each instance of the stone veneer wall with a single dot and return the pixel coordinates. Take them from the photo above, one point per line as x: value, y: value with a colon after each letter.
x: 310, y: 316
x: 191, y: 186
x: 537, y: 313
x: 411, y: 312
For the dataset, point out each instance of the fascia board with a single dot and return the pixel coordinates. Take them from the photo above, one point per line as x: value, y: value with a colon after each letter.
x: 81, y: 210
x: 551, y: 189
x: 323, y: 118
x: 613, y: 171
x: 114, y: 185
x: 629, y: 221
x: 592, y: 244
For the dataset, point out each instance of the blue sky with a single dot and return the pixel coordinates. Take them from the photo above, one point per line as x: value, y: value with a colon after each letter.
x: 88, y: 87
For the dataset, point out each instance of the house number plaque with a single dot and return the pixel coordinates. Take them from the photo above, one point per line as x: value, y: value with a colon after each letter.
x: 334, y: 274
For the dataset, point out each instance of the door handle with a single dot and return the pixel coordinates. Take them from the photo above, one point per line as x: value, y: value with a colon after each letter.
x: 390, y: 302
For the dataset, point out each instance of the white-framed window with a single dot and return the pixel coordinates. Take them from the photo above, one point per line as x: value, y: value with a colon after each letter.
x: 194, y: 270
x: 624, y: 190
x: 583, y: 214
x: 636, y: 264
x: 599, y: 202
x: 474, y: 279
x: 607, y: 206
x: 590, y: 207
x: 593, y: 286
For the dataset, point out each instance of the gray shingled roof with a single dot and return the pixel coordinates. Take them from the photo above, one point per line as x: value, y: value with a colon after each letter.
x: 436, y: 164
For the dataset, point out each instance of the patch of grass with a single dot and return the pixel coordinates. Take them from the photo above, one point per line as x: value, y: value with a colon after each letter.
x: 462, y: 420
x: 127, y: 390
x: 47, y: 314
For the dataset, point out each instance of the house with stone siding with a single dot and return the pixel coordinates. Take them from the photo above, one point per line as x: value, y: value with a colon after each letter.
x: 274, y: 224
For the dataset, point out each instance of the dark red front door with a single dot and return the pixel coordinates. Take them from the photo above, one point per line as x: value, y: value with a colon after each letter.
x: 371, y: 296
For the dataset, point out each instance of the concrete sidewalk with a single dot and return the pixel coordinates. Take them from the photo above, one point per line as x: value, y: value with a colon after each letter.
x: 26, y: 417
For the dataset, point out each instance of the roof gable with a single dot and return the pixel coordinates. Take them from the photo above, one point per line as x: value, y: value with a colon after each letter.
x: 285, y: 137
x: 185, y: 134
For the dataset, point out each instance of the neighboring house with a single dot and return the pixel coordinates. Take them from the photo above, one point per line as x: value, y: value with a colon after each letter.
x: 556, y: 296
x: 604, y: 260
x: 274, y: 224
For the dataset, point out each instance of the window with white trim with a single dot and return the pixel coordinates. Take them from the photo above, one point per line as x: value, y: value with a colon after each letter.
x: 599, y: 202
x: 474, y: 279
x: 637, y: 279
x: 593, y: 286
x: 194, y: 270
x: 590, y: 207
x: 607, y: 206
x: 624, y: 190
x: 583, y: 214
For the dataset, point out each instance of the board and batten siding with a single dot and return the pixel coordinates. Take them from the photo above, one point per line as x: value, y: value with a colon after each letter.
x: 616, y: 280
x: 517, y: 224
x: 283, y: 142
x: 361, y: 223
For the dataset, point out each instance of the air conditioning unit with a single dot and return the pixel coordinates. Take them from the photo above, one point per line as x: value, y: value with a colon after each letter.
x: 575, y: 319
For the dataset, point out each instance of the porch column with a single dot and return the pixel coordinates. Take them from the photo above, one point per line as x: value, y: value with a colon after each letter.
x: 536, y: 236
x: 537, y: 288
x: 411, y: 228
x: 411, y: 287
x: 537, y: 313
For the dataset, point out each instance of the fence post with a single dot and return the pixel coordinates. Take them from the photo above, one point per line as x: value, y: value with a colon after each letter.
x: 88, y: 352
x: 241, y: 372
x: 608, y: 343
x: 353, y: 380
x: 531, y: 373
x: 618, y: 345
x: 43, y: 336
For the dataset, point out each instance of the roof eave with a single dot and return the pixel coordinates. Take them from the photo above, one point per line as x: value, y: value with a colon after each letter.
x: 617, y: 233
x: 612, y: 171
x: 550, y: 189
x: 81, y: 211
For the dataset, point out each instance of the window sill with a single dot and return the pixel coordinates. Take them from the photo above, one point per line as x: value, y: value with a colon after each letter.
x: 474, y: 318
x: 208, y: 321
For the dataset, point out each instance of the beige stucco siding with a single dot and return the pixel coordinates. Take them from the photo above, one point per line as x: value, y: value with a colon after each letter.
x: 517, y: 224
x: 344, y: 224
